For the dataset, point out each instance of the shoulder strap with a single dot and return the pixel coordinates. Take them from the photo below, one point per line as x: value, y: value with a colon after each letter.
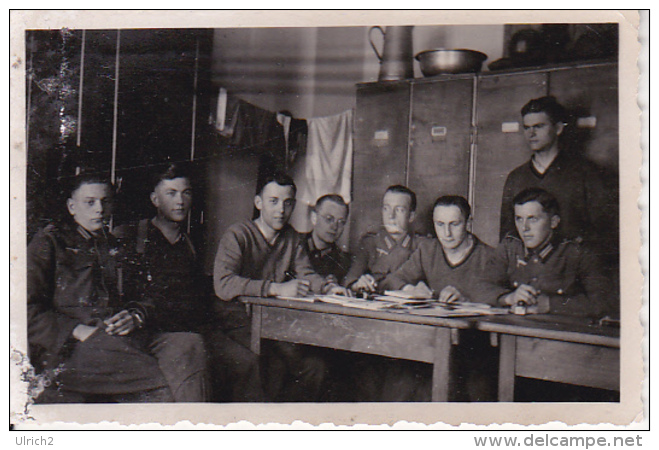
x: 140, y: 245
x: 189, y: 242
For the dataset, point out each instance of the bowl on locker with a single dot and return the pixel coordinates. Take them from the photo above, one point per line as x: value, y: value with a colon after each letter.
x: 450, y: 61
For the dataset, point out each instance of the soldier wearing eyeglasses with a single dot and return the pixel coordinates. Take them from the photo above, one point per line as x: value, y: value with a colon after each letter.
x: 328, y: 218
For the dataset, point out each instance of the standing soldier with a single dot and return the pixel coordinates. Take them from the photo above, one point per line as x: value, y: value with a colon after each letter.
x: 586, y: 210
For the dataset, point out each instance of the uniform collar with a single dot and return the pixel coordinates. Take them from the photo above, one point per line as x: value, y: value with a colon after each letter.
x: 312, y: 246
x: 84, y: 233
x: 545, y: 251
x: 87, y: 235
x: 390, y: 242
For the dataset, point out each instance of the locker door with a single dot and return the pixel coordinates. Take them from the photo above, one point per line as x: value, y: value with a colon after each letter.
x: 591, y: 95
x: 440, y: 143
x: 380, y: 153
x: 500, y: 143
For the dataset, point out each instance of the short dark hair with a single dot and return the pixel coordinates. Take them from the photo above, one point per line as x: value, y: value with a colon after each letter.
x: 454, y: 200
x: 548, y: 105
x: 547, y: 201
x: 84, y: 177
x: 400, y: 189
x: 336, y: 198
x: 281, y: 178
x: 170, y: 172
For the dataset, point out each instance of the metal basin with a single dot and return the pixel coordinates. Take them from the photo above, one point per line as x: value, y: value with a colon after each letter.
x: 441, y: 61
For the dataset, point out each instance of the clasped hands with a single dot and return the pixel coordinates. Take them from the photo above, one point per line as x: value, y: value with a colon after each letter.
x: 121, y: 324
x: 536, y: 302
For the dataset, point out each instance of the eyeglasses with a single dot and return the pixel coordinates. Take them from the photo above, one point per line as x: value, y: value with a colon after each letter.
x: 331, y: 220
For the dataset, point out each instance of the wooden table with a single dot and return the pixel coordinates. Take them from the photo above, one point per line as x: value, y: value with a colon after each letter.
x: 554, y: 348
x: 397, y: 335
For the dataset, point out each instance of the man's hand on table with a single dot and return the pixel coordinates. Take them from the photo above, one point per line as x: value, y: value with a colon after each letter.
x: 365, y: 283
x: 450, y: 294
x: 421, y: 290
x: 293, y: 288
x: 335, y: 289
x: 535, y: 301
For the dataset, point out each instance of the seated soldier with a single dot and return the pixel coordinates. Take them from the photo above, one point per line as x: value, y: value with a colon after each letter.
x: 328, y: 218
x: 169, y: 283
x: 384, y: 251
x: 379, y: 254
x: 543, y: 272
x: 451, y: 266
x: 81, y: 335
x: 265, y: 257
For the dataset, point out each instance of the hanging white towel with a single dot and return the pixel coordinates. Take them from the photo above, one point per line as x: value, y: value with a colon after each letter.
x: 327, y: 166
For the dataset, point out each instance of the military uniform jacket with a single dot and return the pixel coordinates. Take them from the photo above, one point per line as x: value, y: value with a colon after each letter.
x: 71, y: 280
x: 380, y: 254
x: 330, y: 261
x: 564, y: 270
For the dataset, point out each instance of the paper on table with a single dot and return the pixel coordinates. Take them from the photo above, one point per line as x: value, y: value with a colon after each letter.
x: 405, y: 295
x: 298, y: 299
x: 352, y: 302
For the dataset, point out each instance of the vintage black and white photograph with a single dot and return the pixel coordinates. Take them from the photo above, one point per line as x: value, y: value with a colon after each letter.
x: 417, y: 210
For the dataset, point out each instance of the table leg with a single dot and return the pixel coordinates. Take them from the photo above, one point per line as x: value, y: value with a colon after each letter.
x: 441, y: 370
x: 257, y: 313
x: 507, y: 354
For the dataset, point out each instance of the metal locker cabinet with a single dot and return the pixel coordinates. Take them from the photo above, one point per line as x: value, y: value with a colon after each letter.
x: 591, y: 94
x: 440, y: 143
x: 380, y: 154
x: 500, y: 142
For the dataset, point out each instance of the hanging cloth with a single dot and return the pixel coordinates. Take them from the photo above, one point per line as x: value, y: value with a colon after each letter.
x: 327, y: 166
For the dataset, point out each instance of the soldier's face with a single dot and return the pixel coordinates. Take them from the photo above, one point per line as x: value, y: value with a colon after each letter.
x: 90, y: 205
x: 329, y: 221
x: 276, y: 204
x: 450, y: 226
x: 534, y: 224
x: 173, y: 199
x: 540, y: 132
x: 396, y: 213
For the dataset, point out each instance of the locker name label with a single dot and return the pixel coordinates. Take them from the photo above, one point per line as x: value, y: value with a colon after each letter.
x: 510, y: 127
x: 381, y: 135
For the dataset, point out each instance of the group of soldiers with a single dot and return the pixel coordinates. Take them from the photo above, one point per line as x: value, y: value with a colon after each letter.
x: 127, y: 317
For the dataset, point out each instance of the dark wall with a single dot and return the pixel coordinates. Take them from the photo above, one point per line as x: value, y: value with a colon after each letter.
x: 146, y: 118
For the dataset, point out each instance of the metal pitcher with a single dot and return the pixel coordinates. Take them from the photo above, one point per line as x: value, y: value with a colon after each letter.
x: 396, y: 60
